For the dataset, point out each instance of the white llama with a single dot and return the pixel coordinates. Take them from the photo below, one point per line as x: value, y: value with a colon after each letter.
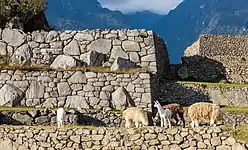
x: 165, y: 115
x: 60, y: 117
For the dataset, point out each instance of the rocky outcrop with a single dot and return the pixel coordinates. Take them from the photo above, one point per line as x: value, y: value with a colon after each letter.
x: 10, y: 95
x: 121, y: 99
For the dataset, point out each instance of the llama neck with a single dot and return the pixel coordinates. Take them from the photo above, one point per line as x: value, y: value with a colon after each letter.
x: 160, y: 110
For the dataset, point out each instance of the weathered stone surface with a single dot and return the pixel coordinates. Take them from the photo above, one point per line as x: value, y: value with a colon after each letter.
x: 116, y: 52
x: 10, y: 95
x: 63, y: 61
x: 130, y: 46
x: 83, y: 37
x: 101, y: 46
x: 7, y: 144
x: 134, y: 57
x: 24, y: 119
x: 72, y: 48
x: 64, y: 89
x: 51, y: 36
x: 77, y: 78
x: 93, y: 58
x: 76, y: 102
x: 13, y: 37
x: 22, y: 55
x: 3, y: 48
x: 120, y: 64
x: 151, y: 57
x: 38, y: 37
x: 35, y: 90
x: 238, y: 146
x: 121, y: 99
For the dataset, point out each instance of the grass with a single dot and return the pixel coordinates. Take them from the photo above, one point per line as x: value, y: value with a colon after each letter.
x: 206, y: 84
x: 240, y: 133
x: 230, y: 109
x: 55, y: 127
x: 81, y: 68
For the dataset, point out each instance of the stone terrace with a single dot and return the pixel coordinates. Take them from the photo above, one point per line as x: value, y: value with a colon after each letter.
x: 225, y: 55
x: 138, y: 48
x: 111, y: 138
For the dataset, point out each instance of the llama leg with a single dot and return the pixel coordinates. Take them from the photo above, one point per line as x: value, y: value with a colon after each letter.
x: 127, y: 124
x: 162, y: 121
x: 196, y: 123
x: 211, y: 122
x: 136, y: 124
x: 169, y: 122
x: 192, y: 124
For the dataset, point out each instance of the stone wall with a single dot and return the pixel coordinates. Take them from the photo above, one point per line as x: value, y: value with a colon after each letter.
x: 47, y: 117
x: 40, y: 47
x: 112, y: 138
x: 228, y: 54
x: 187, y: 94
x: 74, y: 89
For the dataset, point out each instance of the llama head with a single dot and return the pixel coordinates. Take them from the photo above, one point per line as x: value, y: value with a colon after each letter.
x: 157, y: 104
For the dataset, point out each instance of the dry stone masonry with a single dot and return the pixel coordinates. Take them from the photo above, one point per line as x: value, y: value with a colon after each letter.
x: 214, y: 57
x: 121, y: 49
x: 121, y: 138
x: 74, y: 89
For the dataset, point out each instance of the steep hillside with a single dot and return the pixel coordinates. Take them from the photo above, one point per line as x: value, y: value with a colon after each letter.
x: 180, y: 28
x: 78, y: 14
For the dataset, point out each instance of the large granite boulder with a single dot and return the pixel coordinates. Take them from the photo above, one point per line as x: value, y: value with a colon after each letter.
x: 63, y: 61
x: 122, y: 64
x: 10, y: 95
x: 35, y: 90
x: 14, y: 37
x: 121, y: 99
x: 101, y: 46
x: 21, y: 56
x: 93, y: 58
x: 76, y: 101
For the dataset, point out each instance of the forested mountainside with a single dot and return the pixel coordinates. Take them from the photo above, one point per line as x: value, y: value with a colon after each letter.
x: 179, y: 28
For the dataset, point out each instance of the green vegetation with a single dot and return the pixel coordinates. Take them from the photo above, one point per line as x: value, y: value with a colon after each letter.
x: 231, y: 109
x: 24, y: 9
x: 97, y: 69
x: 206, y: 84
x: 240, y: 133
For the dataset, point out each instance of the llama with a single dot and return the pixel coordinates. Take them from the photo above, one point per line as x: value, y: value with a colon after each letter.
x: 136, y: 115
x: 60, y: 117
x: 176, y: 109
x: 205, y: 112
x: 165, y: 115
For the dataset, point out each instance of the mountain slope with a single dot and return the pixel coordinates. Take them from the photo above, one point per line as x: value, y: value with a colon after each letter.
x: 78, y: 14
x: 180, y: 28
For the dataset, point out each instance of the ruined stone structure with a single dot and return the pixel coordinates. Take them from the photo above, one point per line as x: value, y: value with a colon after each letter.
x: 116, y: 49
x: 215, y: 57
x: 133, y: 48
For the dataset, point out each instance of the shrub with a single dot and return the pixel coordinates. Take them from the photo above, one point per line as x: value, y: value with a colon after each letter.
x: 23, y: 9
